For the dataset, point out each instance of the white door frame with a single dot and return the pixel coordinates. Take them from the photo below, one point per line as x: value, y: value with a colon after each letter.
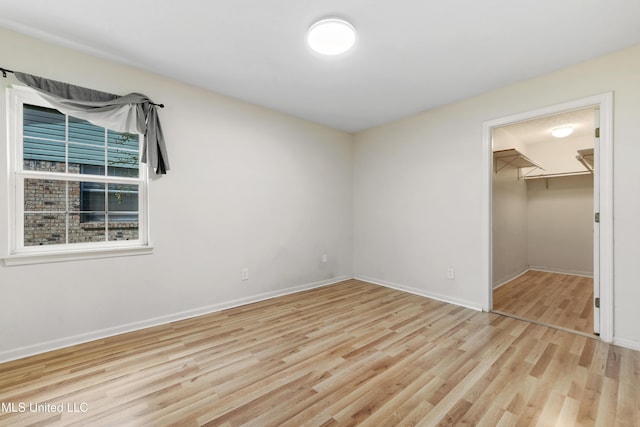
x: 605, y: 186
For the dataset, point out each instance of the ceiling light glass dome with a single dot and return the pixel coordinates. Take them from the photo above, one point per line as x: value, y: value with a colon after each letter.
x: 331, y: 36
x: 562, y: 132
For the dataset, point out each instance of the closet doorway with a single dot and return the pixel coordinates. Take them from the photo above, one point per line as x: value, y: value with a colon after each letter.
x: 546, y: 246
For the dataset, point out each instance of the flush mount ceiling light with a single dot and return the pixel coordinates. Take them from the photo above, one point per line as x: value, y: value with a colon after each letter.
x: 561, y: 132
x: 331, y: 36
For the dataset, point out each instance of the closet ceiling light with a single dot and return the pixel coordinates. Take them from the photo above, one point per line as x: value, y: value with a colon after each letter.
x: 561, y: 132
x: 331, y: 36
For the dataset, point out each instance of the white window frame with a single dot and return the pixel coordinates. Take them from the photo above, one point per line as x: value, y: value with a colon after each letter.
x: 18, y: 253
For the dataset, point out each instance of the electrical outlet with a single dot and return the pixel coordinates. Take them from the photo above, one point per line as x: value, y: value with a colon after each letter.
x: 451, y: 273
x: 324, y: 257
x: 244, y: 274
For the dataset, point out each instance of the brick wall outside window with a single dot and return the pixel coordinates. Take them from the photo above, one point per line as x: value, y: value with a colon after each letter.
x: 49, y: 228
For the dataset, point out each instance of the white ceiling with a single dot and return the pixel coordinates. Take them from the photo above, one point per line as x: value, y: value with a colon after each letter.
x: 412, y: 55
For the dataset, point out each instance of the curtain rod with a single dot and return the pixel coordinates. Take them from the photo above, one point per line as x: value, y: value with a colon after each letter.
x: 4, y: 72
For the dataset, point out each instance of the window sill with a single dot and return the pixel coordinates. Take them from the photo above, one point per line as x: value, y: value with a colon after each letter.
x: 49, y: 257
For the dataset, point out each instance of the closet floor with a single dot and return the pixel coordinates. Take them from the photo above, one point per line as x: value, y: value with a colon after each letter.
x: 550, y: 298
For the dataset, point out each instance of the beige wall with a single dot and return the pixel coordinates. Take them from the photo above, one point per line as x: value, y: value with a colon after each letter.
x: 510, y: 226
x: 249, y: 188
x: 558, y: 156
x: 541, y: 227
x: 503, y: 140
x: 509, y: 210
x: 419, y: 193
x: 560, y: 227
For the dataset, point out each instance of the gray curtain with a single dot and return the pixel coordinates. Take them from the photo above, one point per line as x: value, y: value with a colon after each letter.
x: 133, y: 113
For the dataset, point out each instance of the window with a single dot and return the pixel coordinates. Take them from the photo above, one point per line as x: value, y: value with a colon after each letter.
x: 75, y: 186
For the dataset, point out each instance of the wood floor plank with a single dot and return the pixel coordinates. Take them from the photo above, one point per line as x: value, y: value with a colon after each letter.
x: 550, y: 298
x: 342, y: 355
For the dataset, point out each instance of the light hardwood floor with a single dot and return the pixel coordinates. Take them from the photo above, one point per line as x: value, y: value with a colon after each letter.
x: 342, y: 355
x: 551, y: 298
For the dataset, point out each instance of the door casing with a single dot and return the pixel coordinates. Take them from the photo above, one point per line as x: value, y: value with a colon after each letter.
x: 604, y: 103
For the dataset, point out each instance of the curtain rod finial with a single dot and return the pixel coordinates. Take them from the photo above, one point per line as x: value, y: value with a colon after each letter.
x: 5, y: 71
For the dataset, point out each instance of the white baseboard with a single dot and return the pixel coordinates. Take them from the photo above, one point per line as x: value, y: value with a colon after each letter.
x: 422, y: 293
x: 622, y: 342
x: 510, y: 278
x: 561, y: 271
x: 30, y: 350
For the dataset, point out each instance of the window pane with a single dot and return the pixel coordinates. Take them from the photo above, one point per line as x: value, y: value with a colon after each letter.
x: 92, y: 170
x: 123, y: 227
x: 81, y: 231
x: 44, y: 132
x: 122, y: 154
x: 43, y: 155
x: 84, y: 132
x: 45, y: 195
x: 81, y: 155
x: 123, y: 163
x: 44, y: 229
x: 41, y: 122
x: 91, y: 199
x: 121, y: 140
x: 123, y: 198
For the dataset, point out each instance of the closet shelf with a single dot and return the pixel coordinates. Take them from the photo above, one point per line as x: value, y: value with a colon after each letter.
x: 512, y: 157
x: 586, y: 158
x: 556, y: 175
